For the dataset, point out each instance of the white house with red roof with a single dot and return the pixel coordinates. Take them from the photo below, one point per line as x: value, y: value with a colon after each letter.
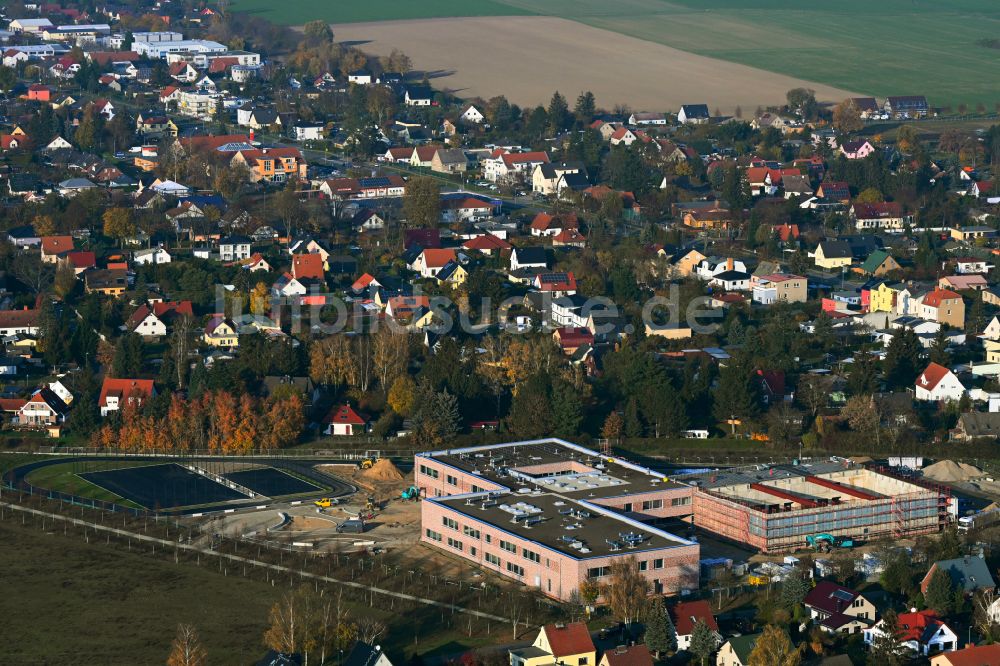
x: 183, y: 72
x: 54, y: 247
x: 429, y: 262
x: 116, y: 393
x: 255, y: 263
x: 556, y: 284
x: 308, y: 266
x: 981, y: 188
x: 398, y: 155
x: 880, y: 215
x: 151, y: 320
x: 545, y: 224
x: 504, y: 166
x: 344, y: 420
x: 465, y: 209
x: 686, y: 615
x: 937, y: 383
x: 623, y: 136
x: 923, y: 632
x: 43, y: 408
x: 487, y: 244
x: 569, y: 238
x: 972, y: 265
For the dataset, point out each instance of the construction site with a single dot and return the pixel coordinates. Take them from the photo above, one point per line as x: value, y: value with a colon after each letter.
x: 777, y: 508
x: 550, y: 513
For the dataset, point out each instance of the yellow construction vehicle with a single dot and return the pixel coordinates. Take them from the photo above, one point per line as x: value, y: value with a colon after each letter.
x: 371, y: 457
x: 324, y: 502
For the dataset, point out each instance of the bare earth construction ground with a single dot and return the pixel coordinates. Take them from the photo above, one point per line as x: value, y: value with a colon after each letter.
x: 526, y: 58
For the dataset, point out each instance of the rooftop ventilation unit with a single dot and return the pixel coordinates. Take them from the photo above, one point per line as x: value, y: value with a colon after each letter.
x: 615, y: 546
x: 488, y: 504
x: 533, y: 520
x: 565, y: 512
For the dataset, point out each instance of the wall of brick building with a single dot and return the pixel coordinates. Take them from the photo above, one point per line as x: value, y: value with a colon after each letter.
x: 555, y: 574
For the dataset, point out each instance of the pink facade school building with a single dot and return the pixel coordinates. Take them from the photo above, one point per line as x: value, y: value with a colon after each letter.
x: 552, y: 514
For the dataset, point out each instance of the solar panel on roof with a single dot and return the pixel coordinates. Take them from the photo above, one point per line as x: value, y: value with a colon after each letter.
x: 374, y: 182
x: 843, y: 595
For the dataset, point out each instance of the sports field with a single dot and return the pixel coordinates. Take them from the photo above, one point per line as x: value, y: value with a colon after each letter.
x: 271, y: 482
x: 162, y: 486
x: 888, y: 47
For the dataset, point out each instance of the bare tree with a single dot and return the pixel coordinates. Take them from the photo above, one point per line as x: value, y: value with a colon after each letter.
x: 517, y: 610
x: 186, y: 650
x: 626, y: 591
x: 370, y: 629
x: 982, y: 615
x: 32, y: 273
x: 288, y: 624
x: 814, y: 393
x: 182, y: 332
x: 390, y: 353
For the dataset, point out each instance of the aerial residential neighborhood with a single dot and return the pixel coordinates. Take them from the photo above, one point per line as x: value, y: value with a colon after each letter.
x: 311, y: 355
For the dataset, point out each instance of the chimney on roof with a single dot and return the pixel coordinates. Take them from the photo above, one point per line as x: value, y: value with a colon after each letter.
x: 729, y: 264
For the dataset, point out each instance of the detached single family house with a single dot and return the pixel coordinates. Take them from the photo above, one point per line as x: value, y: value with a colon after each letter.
x: 937, y: 383
x: 343, y: 420
x: 565, y: 644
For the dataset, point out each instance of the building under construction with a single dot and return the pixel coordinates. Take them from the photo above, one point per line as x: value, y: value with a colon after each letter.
x: 776, y: 507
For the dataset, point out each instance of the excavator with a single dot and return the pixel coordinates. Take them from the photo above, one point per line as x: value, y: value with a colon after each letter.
x: 411, y: 493
x: 825, y: 542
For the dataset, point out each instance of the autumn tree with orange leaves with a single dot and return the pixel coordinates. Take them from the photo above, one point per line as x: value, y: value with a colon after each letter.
x: 217, y: 421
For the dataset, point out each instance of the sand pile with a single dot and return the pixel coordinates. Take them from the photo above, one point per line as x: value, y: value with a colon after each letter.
x: 382, y: 471
x: 949, y: 471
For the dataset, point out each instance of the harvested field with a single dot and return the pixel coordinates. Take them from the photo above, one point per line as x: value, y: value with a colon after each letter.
x: 528, y: 58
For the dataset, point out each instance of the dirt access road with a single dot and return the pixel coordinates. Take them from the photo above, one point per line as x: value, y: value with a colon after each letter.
x: 526, y: 58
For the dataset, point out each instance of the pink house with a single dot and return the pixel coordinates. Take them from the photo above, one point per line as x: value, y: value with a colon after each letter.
x: 856, y: 150
x: 552, y: 514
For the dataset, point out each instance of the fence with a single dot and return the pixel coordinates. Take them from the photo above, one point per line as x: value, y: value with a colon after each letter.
x: 24, y: 487
x: 352, y: 455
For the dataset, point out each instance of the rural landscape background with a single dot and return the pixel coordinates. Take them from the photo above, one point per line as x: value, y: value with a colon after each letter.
x: 890, y: 47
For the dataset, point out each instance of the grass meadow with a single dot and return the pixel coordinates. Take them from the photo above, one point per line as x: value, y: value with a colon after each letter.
x: 297, y: 12
x: 889, y: 47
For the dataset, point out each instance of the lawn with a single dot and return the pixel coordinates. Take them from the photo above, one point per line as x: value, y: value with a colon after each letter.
x: 65, y: 477
x: 66, y: 602
x: 69, y: 602
x: 890, y: 47
x: 296, y: 13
